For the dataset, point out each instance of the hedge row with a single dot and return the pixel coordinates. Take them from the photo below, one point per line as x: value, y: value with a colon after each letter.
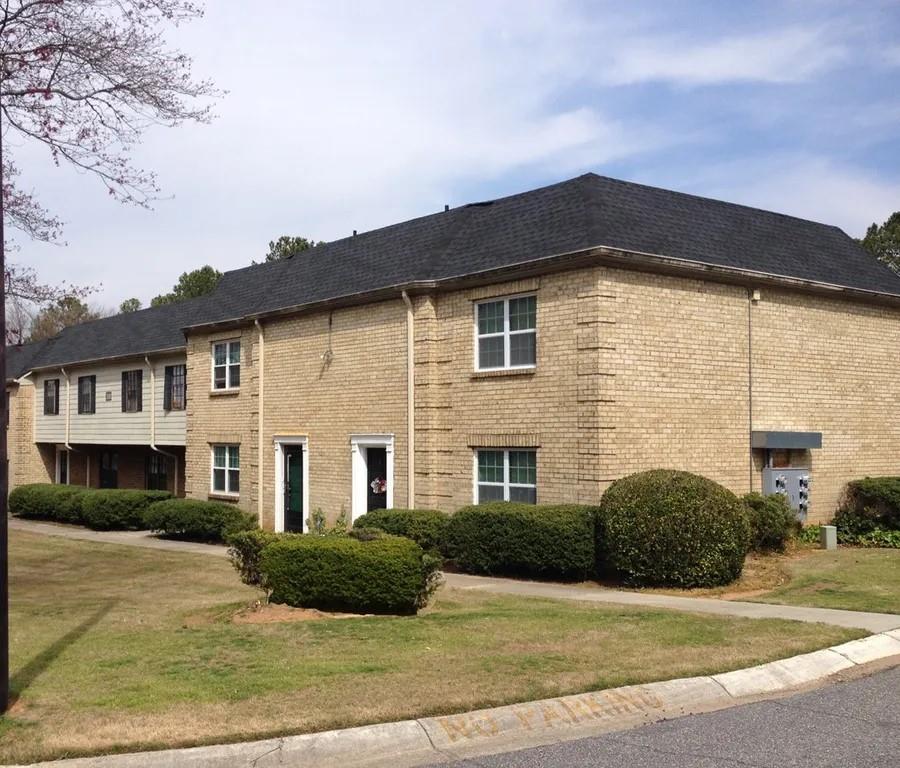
x: 123, y: 509
x: 660, y: 527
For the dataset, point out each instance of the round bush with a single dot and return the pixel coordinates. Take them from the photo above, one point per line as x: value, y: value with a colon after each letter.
x: 426, y: 527
x: 504, y: 538
x: 772, y: 521
x: 672, y: 528
x: 197, y: 520
x: 118, y: 509
x: 388, y: 574
x: 44, y: 501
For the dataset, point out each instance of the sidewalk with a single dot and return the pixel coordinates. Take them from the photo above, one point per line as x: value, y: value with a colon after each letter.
x: 871, y: 622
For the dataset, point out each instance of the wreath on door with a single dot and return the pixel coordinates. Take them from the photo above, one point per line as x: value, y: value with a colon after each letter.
x: 378, y: 485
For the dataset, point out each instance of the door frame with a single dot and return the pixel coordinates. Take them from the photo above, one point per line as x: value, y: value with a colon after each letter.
x: 60, y: 452
x: 282, y: 441
x: 359, y: 474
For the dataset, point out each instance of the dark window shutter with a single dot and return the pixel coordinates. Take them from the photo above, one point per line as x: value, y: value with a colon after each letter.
x: 140, y: 389
x: 93, y: 394
x: 167, y: 390
x: 56, y: 398
x: 124, y: 391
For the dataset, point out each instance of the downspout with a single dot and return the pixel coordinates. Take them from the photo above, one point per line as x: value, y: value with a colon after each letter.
x: 153, y: 423
x: 260, y: 454
x: 68, y: 426
x: 752, y: 298
x: 68, y: 406
x: 410, y: 403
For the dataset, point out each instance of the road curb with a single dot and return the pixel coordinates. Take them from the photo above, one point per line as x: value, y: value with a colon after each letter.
x: 435, y: 739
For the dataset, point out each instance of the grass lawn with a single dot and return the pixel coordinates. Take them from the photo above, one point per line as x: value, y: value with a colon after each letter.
x: 855, y: 579
x: 118, y: 648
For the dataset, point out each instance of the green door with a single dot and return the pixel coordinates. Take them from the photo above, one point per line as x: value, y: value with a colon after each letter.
x: 293, y: 488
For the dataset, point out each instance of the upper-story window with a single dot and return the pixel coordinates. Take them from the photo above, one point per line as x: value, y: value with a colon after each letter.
x: 51, y: 397
x: 506, y: 332
x: 132, y: 391
x: 175, y: 391
x: 226, y: 365
x: 87, y: 394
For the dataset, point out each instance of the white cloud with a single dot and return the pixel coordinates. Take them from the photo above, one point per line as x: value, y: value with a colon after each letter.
x: 342, y: 116
x: 806, y: 186
x: 789, y: 55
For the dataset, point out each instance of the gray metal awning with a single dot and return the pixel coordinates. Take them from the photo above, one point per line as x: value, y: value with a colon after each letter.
x: 798, y: 440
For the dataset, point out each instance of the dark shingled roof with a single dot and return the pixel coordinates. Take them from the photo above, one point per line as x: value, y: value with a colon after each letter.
x: 571, y: 216
x: 574, y: 215
x: 133, y: 333
x: 20, y: 358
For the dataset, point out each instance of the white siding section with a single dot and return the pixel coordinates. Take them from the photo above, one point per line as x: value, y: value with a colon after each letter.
x: 170, y: 427
x: 49, y: 429
x: 109, y: 425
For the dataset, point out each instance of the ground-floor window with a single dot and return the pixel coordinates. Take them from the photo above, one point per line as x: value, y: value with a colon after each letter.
x: 506, y: 475
x: 62, y: 466
x: 156, y: 477
x: 226, y: 469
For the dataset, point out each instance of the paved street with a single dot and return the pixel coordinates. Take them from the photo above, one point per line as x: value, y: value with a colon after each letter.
x: 847, y: 725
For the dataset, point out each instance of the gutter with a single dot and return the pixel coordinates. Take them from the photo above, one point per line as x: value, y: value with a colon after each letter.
x: 597, y: 255
x: 153, y: 422
x: 260, y: 453
x: 410, y: 402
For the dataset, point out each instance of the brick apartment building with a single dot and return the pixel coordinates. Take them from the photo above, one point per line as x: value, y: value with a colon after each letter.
x: 533, y: 348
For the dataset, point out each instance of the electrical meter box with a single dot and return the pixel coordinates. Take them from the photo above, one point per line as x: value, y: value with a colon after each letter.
x: 791, y: 482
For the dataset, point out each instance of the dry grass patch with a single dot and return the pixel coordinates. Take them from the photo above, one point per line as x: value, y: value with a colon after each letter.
x: 117, y: 648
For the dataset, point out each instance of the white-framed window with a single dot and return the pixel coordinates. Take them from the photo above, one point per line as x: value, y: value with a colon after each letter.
x: 506, y: 333
x: 226, y: 364
x: 226, y: 469
x: 62, y: 466
x: 506, y: 474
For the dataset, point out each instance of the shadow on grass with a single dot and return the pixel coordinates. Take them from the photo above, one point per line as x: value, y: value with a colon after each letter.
x: 25, y: 676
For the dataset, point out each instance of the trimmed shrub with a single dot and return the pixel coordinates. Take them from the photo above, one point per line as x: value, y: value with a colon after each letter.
x: 426, y: 527
x: 872, y: 503
x: 665, y: 527
x: 118, y: 509
x: 197, y: 520
x: 386, y: 575
x: 505, y: 538
x: 245, y: 550
x: 772, y: 521
x: 45, y: 501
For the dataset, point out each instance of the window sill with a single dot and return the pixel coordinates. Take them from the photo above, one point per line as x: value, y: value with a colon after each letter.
x: 225, y: 392
x: 503, y: 372
x: 232, y: 497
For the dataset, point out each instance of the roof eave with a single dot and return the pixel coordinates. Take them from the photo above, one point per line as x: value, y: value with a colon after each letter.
x: 601, y: 254
x: 109, y: 359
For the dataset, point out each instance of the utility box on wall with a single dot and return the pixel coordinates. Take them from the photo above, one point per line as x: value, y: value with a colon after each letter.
x: 792, y: 483
x: 785, y: 476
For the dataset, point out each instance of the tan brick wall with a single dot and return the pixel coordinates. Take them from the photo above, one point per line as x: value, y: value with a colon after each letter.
x: 27, y: 462
x: 634, y: 371
x: 830, y: 366
x: 225, y: 417
x: 360, y: 388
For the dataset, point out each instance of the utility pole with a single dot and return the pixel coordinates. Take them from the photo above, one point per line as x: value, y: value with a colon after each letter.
x: 4, y: 465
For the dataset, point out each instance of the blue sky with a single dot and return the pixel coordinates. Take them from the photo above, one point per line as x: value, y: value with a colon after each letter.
x: 353, y: 115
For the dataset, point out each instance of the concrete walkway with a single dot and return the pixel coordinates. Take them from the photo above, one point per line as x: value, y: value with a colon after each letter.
x: 871, y: 622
